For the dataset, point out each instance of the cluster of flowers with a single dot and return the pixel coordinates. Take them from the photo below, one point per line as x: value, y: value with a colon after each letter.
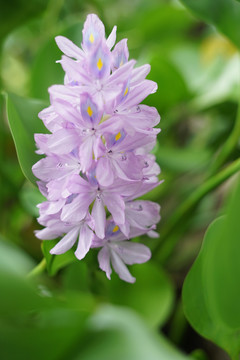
x: 98, y: 153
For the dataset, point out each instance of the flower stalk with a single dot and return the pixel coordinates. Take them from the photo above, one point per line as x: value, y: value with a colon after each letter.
x: 38, y: 269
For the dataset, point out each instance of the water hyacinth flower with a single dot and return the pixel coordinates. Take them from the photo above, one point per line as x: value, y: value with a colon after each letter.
x: 97, y: 155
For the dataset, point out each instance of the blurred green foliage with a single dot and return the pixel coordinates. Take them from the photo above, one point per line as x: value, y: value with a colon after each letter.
x: 73, y: 311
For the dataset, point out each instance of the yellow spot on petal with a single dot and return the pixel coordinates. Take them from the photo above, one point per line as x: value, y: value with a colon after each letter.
x: 121, y: 63
x: 91, y: 38
x: 99, y: 64
x: 89, y: 111
x: 126, y: 91
x: 115, y: 229
x: 118, y: 136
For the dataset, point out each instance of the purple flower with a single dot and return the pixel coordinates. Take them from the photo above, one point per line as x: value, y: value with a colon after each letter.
x: 118, y: 251
x: 80, y: 231
x: 97, y: 153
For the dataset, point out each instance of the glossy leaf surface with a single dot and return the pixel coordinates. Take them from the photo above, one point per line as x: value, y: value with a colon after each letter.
x: 211, y: 290
x: 24, y: 123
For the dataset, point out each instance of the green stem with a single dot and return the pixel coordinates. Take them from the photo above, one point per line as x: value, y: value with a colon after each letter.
x: 235, y: 357
x: 39, y: 269
x: 228, y: 146
x: 190, y: 204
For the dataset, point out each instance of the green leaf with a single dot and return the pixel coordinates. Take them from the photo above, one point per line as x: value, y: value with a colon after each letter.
x: 17, y: 12
x: 164, y: 72
x: 211, y: 290
x: 222, y: 268
x: 24, y: 123
x: 213, y: 81
x: 151, y: 295
x: 30, y: 197
x: 33, y: 318
x: 14, y: 259
x: 164, y: 21
x: 76, y: 277
x: 224, y: 14
x: 46, y: 71
x: 56, y: 262
x: 199, y: 355
x: 221, y: 87
x: 182, y: 159
x: 118, y: 333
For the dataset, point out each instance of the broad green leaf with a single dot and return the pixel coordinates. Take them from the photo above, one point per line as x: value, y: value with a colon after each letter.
x: 17, y: 12
x: 220, y: 88
x: 14, y: 259
x: 224, y: 14
x: 211, y: 290
x: 118, y: 333
x: 56, y: 262
x: 24, y: 123
x: 151, y: 295
x: 163, y: 24
x: 76, y: 277
x: 214, y: 80
x: 34, y: 322
x: 30, y: 197
x: 222, y: 268
x: 182, y: 159
x: 166, y: 74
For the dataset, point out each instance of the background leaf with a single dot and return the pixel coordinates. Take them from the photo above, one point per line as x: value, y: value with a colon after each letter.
x: 224, y: 14
x: 211, y: 290
x: 56, y: 262
x: 24, y: 123
x: 45, y: 71
x: 17, y: 12
x: 155, y: 303
x: 33, y: 319
x: 118, y: 333
x: 30, y: 197
x: 13, y: 259
x: 68, y: 328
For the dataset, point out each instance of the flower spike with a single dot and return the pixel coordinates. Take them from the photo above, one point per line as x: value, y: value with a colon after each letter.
x: 97, y: 154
